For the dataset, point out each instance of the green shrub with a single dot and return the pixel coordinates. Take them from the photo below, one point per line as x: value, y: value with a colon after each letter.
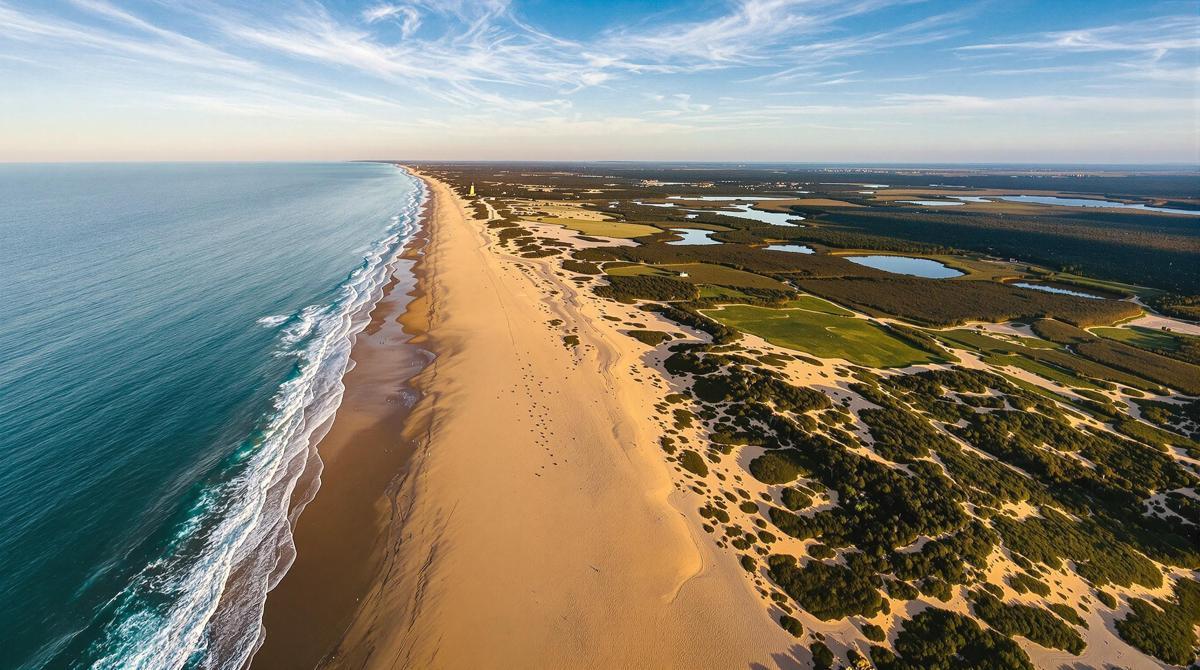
x: 581, y: 267
x: 820, y: 551
x: 791, y: 625
x: 1165, y: 629
x: 795, y: 499
x: 1070, y: 614
x: 1033, y: 623
x: 873, y: 633
x: 779, y: 466
x: 647, y: 287
x: 693, y: 463
x: 822, y: 657
x: 650, y: 337
x: 944, y: 640
x: 1022, y: 583
x: 748, y: 562
x: 826, y: 591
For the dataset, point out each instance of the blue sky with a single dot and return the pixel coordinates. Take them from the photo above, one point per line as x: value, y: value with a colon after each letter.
x: 796, y: 80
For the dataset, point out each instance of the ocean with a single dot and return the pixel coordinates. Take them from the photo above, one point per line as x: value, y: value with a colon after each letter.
x: 171, y: 337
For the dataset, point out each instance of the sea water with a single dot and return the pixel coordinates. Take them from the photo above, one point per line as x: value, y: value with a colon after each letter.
x: 171, y: 337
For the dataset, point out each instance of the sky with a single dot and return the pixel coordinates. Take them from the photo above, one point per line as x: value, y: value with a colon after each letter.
x: 1095, y: 81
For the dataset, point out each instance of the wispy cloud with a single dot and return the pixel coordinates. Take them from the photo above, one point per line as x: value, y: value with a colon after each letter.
x: 1158, y: 35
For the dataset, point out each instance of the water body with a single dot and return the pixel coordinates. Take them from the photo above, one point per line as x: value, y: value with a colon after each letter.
x: 173, y: 335
x: 792, y: 248
x: 906, y: 265
x: 693, y: 236
x: 1085, y: 202
x: 853, y: 183
x: 970, y: 198
x: 653, y: 204
x: 743, y: 211
x: 933, y: 203
x: 1054, y: 289
x: 772, y: 218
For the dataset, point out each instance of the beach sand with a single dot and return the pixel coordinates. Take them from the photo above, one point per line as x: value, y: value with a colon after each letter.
x: 538, y: 525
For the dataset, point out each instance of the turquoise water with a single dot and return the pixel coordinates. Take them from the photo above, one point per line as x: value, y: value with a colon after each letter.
x: 172, y: 336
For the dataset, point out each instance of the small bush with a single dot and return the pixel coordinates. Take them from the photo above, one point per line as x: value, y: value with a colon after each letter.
x: 776, y: 467
x: 791, y: 625
x: 795, y: 499
x: 873, y: 633
x: 693, y: 463
x: 650, y: 337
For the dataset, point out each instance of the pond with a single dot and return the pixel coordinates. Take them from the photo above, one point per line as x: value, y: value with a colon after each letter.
x: 693, y: 236
x: 654, y: 204
x: 744, y: 211
x: 907, y: 265
x: 1054, y: 289
x: 792, y: 248
x: 933, y: 203
x: 1086, y: 202
x: 772, y: 218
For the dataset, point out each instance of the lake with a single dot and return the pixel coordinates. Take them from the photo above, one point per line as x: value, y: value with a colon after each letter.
x: 906, y: 265
x: 1087, y: 202
x: 772, y: 218
x: 693, y: 236
x: 933, y: 203
x: 791, y: 248
x: 744, y: 211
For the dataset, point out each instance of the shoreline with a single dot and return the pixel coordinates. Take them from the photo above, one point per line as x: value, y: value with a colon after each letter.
x: 537, y: 523
x: 338, y: 538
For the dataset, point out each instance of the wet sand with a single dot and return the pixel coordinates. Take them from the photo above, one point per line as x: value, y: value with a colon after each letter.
x: 341, y: 535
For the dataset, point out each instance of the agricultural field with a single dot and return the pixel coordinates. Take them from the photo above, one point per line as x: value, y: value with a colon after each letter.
x: 616, y: 229
x: 822, y: 334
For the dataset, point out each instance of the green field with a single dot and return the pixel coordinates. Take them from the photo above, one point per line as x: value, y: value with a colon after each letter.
x: 822, y: 334
x: 814, y: 304
x: 1145, y: 338
x: 602, y: 228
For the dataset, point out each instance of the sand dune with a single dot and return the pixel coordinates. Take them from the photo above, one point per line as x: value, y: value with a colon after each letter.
x: 536, y: 525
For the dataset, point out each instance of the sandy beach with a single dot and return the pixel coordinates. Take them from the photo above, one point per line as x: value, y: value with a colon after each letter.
x: 538, y: 525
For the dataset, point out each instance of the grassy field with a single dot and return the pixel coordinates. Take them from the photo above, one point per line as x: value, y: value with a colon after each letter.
x: 703, y: 273
x: 1145, y: 338
x: 822, y: 334
x: 722, y: 292
x: 602, y: 228
x: 814, y: 304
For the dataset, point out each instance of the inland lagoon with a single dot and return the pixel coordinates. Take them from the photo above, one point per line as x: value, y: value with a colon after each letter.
x: 907, y: 265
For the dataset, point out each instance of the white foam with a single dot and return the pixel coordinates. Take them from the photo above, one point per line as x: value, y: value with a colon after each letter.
x: 272, y: 321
